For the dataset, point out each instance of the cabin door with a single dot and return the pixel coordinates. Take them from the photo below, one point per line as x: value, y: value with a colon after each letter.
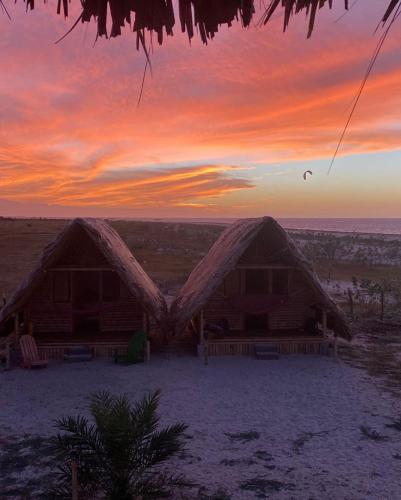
x: 86, y: 301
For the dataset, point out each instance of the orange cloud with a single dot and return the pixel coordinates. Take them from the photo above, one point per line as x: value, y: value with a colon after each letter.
x: 71, y: 134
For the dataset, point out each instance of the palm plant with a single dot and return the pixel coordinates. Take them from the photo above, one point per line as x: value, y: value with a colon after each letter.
x: 119, y: 455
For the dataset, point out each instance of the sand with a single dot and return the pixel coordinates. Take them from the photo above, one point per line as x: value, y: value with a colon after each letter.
x: 289, y: 428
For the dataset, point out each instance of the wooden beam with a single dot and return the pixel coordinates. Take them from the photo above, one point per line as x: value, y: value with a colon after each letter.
x: 265, y: 266
x: 71, y: 268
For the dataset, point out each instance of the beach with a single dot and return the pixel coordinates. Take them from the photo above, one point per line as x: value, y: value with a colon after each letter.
x: 299, y: 427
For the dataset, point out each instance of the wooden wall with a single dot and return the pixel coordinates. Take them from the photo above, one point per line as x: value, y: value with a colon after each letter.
x: 218, y: 307
x: 294, y: 313
x: 46, y: 315
x: 125, y: 314
x: 291, y: 315
x: 263, y: 252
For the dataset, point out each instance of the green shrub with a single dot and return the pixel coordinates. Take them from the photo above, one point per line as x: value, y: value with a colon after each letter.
x: 118, y: 455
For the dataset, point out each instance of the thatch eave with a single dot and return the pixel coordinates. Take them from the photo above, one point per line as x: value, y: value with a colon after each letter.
x: 204, y: 17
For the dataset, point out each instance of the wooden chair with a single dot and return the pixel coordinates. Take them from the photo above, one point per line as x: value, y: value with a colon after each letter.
x: 30, y: 354
x: 137, y: 352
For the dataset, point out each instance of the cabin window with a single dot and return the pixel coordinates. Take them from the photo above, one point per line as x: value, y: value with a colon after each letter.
x: 280, y: 281
x: 232, y: 283
x: 111, y: 286
x: 61, y: 286
x: 257, y: 281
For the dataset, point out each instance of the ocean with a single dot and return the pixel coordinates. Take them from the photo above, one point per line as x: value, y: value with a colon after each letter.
x: 372, y: 226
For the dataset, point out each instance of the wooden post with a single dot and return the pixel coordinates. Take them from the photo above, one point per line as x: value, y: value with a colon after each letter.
x: 8, y: 356
x: 145, y: 322
x: 203, y: 341
x: 201, y: 332
x: 101, y: 286
x: 16, y: 327
x: 289, y: 280
x: 270, y: 271
x: 324, y: 322
x: 242, y: 279
x: 30, y: 328
x: 74, y: 480
x: 351, y: 303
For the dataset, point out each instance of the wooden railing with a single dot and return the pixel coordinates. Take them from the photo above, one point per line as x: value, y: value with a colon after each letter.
x: 246, y: 347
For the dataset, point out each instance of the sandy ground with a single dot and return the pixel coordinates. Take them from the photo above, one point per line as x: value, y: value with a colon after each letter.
x: 289, y: 429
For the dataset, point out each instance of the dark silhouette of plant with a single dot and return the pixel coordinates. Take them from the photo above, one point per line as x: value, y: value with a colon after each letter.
x: 119, y: 455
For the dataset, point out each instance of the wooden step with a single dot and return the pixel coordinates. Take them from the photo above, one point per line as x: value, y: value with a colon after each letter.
x: 267, y: 351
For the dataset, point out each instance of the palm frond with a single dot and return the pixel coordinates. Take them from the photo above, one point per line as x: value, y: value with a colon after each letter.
x: 144, y: 414
x: 165, y: 443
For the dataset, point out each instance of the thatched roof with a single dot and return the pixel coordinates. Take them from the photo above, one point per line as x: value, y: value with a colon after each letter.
x: 115, y: 251
x: 223, y: 258
x: 203, y: 16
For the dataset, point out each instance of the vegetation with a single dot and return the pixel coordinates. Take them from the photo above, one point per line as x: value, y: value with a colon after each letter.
x: 119, y: 455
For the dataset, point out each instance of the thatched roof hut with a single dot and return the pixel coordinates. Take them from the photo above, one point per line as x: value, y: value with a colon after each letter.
x: 224, y: 256
x: 202, y: 16
x: 109, y: 244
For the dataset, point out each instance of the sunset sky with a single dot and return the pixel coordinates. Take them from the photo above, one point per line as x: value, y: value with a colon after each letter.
x: 223, y: 130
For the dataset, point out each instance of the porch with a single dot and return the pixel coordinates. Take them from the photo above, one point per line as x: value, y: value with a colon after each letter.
x: 311, y: 339
x: 53, y: 345
x: 285, y: 344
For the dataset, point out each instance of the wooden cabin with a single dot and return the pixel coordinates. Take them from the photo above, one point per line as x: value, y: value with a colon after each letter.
x: 87, y: 289
x: 255, y: 287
